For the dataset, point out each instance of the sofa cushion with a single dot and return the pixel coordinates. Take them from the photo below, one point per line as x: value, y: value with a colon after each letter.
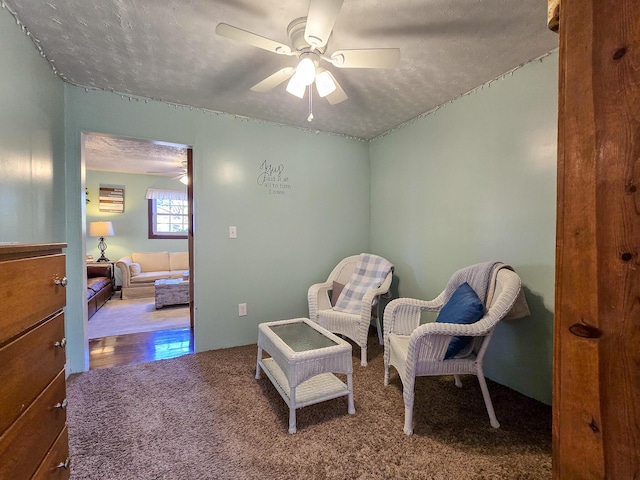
x: 152, y: 261
x: 178, y: 261
x: 134, y: 269
x: 97, y: 283
x: 150, y: 277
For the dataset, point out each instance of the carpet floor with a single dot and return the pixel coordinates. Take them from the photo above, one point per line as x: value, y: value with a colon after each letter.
x: 205, y: 416
x: 120, y: 317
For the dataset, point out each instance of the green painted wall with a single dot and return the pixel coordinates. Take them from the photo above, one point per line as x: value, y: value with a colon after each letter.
x: 130, y: 227
x: 31, y: 142
x: 473, y: 182
x: 285, y: 241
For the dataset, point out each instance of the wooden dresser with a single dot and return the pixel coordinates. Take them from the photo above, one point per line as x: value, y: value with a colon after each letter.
x: 33, y: 433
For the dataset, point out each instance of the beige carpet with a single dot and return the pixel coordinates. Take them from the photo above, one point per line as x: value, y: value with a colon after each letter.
x: 118, y: 317
x: 205, y: 416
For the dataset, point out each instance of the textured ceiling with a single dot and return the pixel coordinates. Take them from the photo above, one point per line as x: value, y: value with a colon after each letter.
x: 168, y: 50
x: 117, y: 154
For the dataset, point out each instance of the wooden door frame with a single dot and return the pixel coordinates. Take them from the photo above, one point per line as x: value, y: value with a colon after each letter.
x: 190, y: 234
x: 596, y: 380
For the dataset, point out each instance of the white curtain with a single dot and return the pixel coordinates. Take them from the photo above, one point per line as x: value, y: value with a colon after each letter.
x: 160, y: 194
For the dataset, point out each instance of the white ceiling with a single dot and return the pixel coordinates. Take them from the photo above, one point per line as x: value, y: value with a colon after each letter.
x: 168, y: 50
x: 130, y: 155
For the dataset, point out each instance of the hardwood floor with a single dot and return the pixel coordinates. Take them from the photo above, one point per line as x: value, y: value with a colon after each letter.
x: 139, y: 347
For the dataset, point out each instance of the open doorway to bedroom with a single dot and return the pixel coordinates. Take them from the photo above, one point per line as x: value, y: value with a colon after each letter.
x: 139, y: 245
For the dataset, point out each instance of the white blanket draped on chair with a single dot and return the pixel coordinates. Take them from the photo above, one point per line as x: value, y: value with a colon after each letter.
x: 481, y: 277
x: 365, y: 277
x: 370, y: 272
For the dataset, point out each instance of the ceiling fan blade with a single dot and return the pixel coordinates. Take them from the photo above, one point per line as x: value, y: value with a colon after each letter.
x: 236, y: 33
x: 338, y: 94
x: 274, y: 80
x: 320, y: 20
x: 366, y: 58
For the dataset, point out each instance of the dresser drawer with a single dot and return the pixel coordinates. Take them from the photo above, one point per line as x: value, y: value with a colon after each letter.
x: 56, y: 465
x: 29, y: 363
x: 27, y: 441
x: 29, y: 292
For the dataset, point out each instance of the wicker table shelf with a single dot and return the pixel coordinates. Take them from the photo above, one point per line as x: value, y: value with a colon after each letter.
x: 304, y: 358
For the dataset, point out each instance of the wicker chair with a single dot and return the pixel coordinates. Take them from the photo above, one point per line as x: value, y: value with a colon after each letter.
x: 418, y: 350
x: 355, y: 327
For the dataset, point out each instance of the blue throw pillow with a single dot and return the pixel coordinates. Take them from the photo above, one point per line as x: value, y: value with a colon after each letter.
x: 464, y: 307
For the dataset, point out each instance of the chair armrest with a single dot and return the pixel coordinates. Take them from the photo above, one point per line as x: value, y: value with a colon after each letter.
x: 450, y: 329
x: 402, y: 315
x: 429, y: 342
x: 318, y: 297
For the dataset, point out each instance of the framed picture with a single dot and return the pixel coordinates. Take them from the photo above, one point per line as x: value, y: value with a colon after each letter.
x: 112, y: 198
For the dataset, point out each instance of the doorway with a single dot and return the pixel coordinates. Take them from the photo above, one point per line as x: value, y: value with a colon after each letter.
x: 132, y: 330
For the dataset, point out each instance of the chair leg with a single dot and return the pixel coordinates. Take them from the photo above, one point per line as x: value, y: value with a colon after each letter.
x: 458, y: 382
x: 408, y: 420
x: 363, y: 356
x: 408, y: 395
x: 379, y: 329
x: 487, y: 400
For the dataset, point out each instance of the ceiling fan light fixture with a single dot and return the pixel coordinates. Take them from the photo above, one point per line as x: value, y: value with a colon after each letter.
x: 337, y: 59
x: 308, y: 37
x: 306, y: 71
x: 296, y: 86
x: 325, y: 84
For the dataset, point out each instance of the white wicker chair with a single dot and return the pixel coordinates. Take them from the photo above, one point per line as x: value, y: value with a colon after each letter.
x: 355, y: 327
x: 418, y: 350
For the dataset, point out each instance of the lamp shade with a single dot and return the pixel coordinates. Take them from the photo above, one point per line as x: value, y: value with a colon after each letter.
x: 325, y: 84
x: 101, y: 229
x: 296, y: 87
x: 306, y: 71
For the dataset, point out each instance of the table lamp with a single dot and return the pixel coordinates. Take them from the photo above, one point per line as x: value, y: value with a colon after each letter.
x: 101, y: 229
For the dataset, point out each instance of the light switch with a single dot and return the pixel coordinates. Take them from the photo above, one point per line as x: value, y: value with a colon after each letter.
x: 233, y: 233
x: 242, y: 309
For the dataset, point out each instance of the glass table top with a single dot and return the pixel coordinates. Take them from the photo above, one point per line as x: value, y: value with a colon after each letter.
x: 300, y: 337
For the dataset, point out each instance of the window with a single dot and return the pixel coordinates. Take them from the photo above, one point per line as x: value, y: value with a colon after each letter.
x: 168, y: 215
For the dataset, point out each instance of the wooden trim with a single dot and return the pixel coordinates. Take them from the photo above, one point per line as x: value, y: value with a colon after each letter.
x: 190, y: 235
x: 24, y: 250
x: 596, y: 394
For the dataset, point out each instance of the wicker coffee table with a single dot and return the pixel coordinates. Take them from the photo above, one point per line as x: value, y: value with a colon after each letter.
x: 172, y: 291
x: 303, y: 360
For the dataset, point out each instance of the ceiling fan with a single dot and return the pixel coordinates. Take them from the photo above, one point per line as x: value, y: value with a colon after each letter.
x: 309, y: 37
x: 180, y: 172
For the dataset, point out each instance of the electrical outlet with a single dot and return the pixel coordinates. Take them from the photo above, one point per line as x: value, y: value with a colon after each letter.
x: 233, y: 233
x: 242, y: 309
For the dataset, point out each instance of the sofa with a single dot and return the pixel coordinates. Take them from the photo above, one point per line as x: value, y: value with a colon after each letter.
x: 99, y: 286
x: 140, y: 271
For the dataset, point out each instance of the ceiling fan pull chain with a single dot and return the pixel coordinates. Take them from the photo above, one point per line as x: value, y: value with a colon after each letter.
x: 310, y: 117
